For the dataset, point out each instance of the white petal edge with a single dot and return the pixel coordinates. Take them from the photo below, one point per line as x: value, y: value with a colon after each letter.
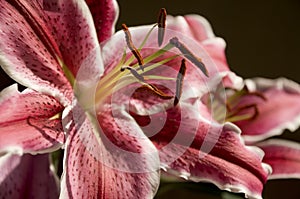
x: 280, y: 142
x: 281, y: 84
x: 226, y: 187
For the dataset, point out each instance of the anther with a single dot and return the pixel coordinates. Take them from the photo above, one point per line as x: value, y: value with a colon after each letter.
x: 131, y: 46
x: 189, y: 55
x: 134, y: 73
x: 161, y: 22
x: 179, y: 82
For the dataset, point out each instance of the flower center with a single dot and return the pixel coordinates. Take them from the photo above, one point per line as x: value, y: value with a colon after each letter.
x: 133, y: 68
x: 238, y: 105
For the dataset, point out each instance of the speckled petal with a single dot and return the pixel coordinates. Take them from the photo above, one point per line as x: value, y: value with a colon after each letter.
x: 72, y: 27
x: 123, y: 165
x: 27, y: 177
x: 105, y: 14
x: 25, y: 121
x: 27, y: 54
x: 194, y: 147
x: 283, y: 156
x: 280, y: 111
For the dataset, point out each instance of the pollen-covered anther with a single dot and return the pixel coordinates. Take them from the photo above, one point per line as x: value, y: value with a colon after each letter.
x: 161, y: 22
x: 131, y: 46
x: 189, y: 55
x: 179, y: 82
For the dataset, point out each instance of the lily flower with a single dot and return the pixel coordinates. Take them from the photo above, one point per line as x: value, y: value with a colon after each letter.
x: 44, y: 44
x: 273, y: 117
x: 96, y: 100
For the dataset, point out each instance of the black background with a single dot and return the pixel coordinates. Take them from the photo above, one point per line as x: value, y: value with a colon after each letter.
x: 263, y: 39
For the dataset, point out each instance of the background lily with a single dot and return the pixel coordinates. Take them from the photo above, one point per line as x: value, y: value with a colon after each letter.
x: 277, y: 112
x: 74, y: 48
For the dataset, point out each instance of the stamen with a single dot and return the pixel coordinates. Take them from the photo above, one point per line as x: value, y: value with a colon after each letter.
x: 134, y: 73
x: 131, y: 46
x: 249, y: 106
x: 161, y: 22
x: 189, y: 55
x: 234, y: 99
x: 179, y: 82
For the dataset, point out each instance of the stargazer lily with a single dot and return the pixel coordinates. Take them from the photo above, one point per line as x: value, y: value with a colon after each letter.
x: 98, y: 101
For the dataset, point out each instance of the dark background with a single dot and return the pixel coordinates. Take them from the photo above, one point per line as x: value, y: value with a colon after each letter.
x: 263, y: 39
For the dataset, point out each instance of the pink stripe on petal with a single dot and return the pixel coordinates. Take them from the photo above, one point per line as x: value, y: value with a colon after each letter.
x: 194, y: 147
x: 225, y: 175
x: 72, y: 27
x: 105, y: 14
x: 25, y: 121
x: 283, y: 156
x: 280, y: 111
x: 27, y: 176
x: 119, y: 166
x: 26, y: 56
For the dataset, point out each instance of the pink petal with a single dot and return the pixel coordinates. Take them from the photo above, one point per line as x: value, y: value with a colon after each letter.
x: 194, y: 147
x: 25, y: 121
x: 280, y: 111
x: 105, y: 14
x: 27, y: 176
x: 120, y: 162
x: 283, y: 156
x: 72, y: 27
x: 27, y: 50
